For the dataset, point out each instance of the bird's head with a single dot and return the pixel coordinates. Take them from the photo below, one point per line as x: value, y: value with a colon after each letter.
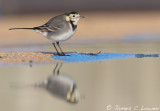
x: 73, y: 16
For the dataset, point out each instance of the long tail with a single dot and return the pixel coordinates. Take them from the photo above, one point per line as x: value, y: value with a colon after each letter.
x: 21, y: 28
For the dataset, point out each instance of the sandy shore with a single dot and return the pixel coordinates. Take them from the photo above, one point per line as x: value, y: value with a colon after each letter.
x: 25, y: 58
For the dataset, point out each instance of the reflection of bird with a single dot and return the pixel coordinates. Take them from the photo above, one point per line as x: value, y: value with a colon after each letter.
x: 61, y: 86
x: 59, y: 28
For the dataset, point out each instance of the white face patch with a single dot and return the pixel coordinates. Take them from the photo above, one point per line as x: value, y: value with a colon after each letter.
x: 74, y: 18
x: 67, y: 18
x: 76, y: 21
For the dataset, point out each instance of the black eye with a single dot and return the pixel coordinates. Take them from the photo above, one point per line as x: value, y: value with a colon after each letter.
x: 73, y: 15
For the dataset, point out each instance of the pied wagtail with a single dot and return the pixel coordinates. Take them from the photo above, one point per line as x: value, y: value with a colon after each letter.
x: 58, y: 29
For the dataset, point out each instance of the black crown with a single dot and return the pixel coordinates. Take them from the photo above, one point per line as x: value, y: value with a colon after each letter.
x: 71, y: 12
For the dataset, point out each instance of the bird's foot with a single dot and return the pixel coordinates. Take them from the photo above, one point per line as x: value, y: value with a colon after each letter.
x: 63, y: 54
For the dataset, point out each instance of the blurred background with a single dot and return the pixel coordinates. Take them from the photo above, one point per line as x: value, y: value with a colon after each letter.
x: 112, y: 26
x: 110, y: 20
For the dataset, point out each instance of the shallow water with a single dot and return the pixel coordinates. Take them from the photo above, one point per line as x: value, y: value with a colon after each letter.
x: 127, y: 82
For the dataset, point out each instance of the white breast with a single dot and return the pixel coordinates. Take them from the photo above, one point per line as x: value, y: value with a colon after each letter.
x: 65, y: 36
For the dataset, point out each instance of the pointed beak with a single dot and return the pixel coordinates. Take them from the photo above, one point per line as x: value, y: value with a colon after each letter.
x: 82, y: 17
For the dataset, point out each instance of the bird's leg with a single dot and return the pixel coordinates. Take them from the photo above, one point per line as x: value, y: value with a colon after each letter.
x: 54, y: 70
x: 62, y: 53
x: 56, y: 48
x: 59, y: 68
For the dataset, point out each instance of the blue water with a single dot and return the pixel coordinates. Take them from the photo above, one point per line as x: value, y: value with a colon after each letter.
x: 92, y: 57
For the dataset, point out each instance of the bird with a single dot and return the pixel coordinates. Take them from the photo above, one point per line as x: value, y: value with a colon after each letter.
x: 61, y: 85
x: 58, y: 29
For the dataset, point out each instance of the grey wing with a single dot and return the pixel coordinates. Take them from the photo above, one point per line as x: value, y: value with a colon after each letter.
x: 55, y: 26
